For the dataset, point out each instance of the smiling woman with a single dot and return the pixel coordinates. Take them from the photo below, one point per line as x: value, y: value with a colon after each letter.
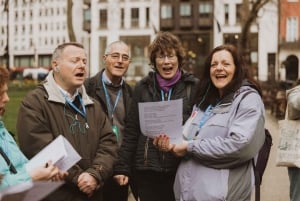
x: 154, y: 171
x: 225, y: 131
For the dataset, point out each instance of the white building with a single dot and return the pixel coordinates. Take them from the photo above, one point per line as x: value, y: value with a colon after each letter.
x: 36, y: 27
x: 134, y: 22
x: 264, y: 33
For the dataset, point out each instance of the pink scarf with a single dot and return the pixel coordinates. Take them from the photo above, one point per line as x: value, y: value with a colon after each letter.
x: 164, y: 84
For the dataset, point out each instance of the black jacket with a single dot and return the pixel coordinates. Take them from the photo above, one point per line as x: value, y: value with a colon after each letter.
x: 137, y: 151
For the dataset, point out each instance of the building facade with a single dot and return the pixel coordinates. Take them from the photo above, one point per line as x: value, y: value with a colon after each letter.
x: 35, y: 27
x: 263, y: 33
x: 132, y: 21
x: 192, y: 22
x: 289, y: 41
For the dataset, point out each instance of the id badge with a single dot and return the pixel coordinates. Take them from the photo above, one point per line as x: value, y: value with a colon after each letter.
x: 116, y: 131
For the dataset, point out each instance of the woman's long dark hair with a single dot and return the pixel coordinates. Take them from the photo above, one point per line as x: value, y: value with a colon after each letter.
x: 207, y: 93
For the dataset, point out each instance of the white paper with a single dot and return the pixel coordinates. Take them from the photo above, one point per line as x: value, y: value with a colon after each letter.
x: 29, y: 191
x: 164, y: 117
x: 59, y: 151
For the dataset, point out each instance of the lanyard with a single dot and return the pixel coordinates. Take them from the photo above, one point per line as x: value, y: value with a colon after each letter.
x: 205, y: 116
x: 163, y: 96
x: 109, y: 106
x: 83, y: 112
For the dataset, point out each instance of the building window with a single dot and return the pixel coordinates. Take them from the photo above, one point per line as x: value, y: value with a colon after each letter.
x: 166, y: 11
x: 148, y: 17
x: 226, y: 9
x: 205, y: 9
x: 87, y: 14
x: 134, y: 17
x: 103, y: 19
x: 292, y: 29
x: 122, y: 18
x: 185, y: 9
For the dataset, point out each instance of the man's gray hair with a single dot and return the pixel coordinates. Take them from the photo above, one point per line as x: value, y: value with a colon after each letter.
x: 60, y: 48
x: 108, y: 48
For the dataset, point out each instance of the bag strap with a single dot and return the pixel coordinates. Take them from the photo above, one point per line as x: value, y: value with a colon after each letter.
x: 12, y: 168
x: 257, y: 181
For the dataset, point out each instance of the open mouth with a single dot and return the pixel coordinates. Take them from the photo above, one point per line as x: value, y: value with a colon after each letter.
x: 79, y: 75
x: 221, y: 76
x: 167, y: 68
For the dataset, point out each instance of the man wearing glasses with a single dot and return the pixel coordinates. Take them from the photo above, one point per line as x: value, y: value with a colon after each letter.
x: 109, y: 87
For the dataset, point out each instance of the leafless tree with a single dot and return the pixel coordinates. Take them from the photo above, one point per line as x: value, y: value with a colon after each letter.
x: 249, y: 14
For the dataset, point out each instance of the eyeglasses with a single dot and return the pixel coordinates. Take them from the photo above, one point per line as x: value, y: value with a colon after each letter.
x: 116, y: 56
x: 162, y: 57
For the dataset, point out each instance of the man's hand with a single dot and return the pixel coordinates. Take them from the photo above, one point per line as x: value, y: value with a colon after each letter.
x: 87, y: 183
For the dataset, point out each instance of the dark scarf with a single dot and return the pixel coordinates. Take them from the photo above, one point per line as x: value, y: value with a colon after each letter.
x: 164, y: 84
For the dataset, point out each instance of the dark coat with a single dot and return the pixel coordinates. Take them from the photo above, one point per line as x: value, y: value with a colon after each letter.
x: 95, y: 89
x: 44, y: 115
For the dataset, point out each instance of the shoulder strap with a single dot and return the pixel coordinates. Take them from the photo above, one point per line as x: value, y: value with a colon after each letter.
x: 256, y: 173
x: 12, y: 168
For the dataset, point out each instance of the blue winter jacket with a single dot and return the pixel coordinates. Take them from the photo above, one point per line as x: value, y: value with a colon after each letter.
x: 17, y: 158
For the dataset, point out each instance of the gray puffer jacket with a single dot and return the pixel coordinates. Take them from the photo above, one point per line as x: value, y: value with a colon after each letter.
x: 218, y: 162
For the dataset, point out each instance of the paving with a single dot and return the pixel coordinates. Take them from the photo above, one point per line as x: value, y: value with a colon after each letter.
x: 275, y: 184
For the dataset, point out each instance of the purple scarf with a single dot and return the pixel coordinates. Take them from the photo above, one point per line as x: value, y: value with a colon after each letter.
x: 164, y: 84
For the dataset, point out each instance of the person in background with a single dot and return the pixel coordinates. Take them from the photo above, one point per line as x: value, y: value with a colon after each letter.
x: 153, y: 170
x: 114, y: 95
x: 222, y: 136
x: 12, y: 160
x: 60, y: 106
x: 293, y: 110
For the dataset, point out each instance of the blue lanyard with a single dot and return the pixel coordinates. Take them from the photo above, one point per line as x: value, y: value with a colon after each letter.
x: 163, y: 95
x: 83, y: 112
x: 108, y: 101
x: 205, y: 116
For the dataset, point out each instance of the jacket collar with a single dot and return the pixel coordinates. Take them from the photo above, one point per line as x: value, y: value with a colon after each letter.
x: 54, y: 93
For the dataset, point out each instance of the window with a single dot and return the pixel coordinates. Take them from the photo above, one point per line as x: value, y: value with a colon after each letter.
x: 185, y: 9
x: 148, y: 16
x: 103, y: 19
x: 226, y: 9
x: 292, y: 29
x: 122, y: 17
x: 87, y: 14
x: 134, y: 17
x: 166, y: 11
x: 205, y: 8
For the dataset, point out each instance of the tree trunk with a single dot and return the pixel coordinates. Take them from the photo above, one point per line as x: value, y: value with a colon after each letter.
x: 249, y: 14
x: 71, y: 33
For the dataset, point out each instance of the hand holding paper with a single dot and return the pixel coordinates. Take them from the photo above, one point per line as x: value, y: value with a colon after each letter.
x: 59, y: 151
x: 162, y: 117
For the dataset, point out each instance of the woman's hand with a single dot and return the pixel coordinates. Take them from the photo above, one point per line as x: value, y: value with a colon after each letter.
x: 47, y: 172
x: 163, y: 144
